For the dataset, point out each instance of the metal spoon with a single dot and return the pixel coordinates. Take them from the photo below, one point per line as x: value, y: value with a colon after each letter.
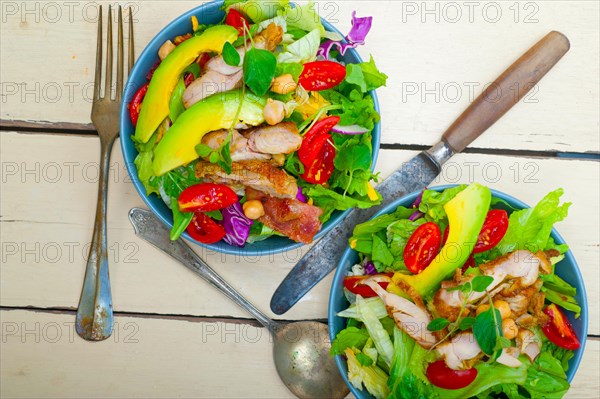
x: 300, y: 349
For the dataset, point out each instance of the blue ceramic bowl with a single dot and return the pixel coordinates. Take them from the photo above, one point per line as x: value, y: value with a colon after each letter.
x: 209, y: 13
x: 567, y: 269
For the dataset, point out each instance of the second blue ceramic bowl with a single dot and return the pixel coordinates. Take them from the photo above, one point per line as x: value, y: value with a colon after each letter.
x: 210, y: 13
x: 567, y: 269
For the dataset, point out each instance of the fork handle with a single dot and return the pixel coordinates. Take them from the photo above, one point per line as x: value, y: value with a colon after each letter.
x: 94, y: 321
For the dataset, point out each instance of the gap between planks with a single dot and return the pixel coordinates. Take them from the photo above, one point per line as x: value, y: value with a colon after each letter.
x: 70, y: 129
x: 159, y: 316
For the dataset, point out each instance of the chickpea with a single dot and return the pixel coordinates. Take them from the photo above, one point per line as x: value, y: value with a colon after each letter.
x: 165, y: 49
x: 503, y: 308
x: 283, y: 84
x: 482, y: 308
x: 253, y: 209
x: 509, y: 328
x: 274, y: 111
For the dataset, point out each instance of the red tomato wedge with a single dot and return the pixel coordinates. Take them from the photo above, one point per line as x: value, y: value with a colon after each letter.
x: 237, y: 20
x: 317, y: 151
x: 559, y: 330
x: 494, y: 228
x: 206, y: 197
x: 442, y: 376
x: 322, y: 75
x: 422, y: 246
x: 353, y: 284
x: 205, y: 230
x: 136, y: 103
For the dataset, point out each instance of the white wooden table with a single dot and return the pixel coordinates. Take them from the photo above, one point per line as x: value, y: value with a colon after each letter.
x: 175, y: 336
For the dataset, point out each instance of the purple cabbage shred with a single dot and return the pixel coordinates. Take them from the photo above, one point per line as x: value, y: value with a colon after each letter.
x: 356, y: 37
x: 236, y: 225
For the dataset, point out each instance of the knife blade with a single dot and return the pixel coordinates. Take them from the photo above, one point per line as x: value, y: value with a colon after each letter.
x: 326, y: 253
x: 508, y: 89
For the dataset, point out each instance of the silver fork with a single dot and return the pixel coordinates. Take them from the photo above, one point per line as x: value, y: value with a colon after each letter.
x: 94, y: 320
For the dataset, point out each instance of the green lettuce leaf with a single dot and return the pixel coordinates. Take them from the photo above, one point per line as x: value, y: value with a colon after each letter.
x: 432, y: 203
x: 350, y: 337
x: 365, y: 75
x: 256, y: 10
x: 303, y: 50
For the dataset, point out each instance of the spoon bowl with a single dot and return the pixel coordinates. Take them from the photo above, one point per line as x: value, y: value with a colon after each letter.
x: 302, y: 359
x: 300, y: 349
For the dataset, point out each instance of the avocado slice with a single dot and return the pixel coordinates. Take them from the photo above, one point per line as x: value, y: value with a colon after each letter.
x: 216, y: 112
x: 466, y: 214
x: 155, y: 107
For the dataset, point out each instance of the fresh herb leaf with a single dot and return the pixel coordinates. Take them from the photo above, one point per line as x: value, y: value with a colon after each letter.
x: 216, y: 215
x: 466, y: 323
x: 181, y: 220
x: 501, y: 343
x: 259, y: 70
x: 480, y: 283
x: 487, y: 329
x: 230, y: 55
x: 438, y: 324
x: 350, y: 337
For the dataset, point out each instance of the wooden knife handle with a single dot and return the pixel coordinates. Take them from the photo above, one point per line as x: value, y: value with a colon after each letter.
x: 507, y: 90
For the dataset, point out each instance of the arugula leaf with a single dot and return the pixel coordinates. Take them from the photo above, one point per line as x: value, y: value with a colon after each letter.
x: 353, y: 156
x: 329, y: 200
x: 293, y: 165
x: 438, y: 324
x: 357, y: 108
x: 350, y: 337
x: 487, y: 329
x: 259, y: 70
x: 230, y: 55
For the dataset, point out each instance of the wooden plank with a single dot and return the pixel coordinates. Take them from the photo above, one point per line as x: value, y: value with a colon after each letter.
x: 438, y: 57
x: 154, y: 358
x: 48, y: 201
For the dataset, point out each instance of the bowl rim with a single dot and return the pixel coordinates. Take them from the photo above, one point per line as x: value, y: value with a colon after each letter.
x: 409, y: 198
x: 126, y: 142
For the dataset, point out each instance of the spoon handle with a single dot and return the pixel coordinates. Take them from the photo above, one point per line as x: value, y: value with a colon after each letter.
x: 148, y: 227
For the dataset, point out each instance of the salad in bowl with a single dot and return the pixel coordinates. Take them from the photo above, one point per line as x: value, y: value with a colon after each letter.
x: 466, y: 293
x: 252, y: 126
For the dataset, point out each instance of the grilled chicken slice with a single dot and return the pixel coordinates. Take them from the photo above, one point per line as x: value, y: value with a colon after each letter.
x: 239, y: 149
x: 294, y: 219
x: 409, y: 317
x: 510, y: 357
x: 210, y: 83
x: 261, y: 176
x: 521, y: 265
x: 529, y: 344
x: 461, y: 352
x: 282, y: 138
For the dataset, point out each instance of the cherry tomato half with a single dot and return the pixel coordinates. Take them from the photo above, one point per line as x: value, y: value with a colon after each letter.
x: 353, y: 284
x: 442, y: 376
x: 202, y: 228
x: 559, y: 330
x: 136, y: 103
x: 322, y: 75
x: 206, y: 197
x: 321, y: 168
x: 309, y: 150
x: 237, y: 20
x: 317, y: 152
x: 494, y: 228
x: 422, y: 246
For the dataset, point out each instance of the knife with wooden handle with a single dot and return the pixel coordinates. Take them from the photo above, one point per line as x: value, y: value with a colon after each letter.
x: 419, y: 172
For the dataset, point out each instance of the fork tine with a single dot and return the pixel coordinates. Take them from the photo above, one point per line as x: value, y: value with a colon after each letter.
x: 120, y: 56
x: 98, y: 76
x: 131, y: 52
x: 108, y: 81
